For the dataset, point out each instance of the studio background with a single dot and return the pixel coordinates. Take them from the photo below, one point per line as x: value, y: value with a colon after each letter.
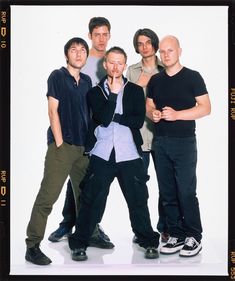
x: 38, y: 35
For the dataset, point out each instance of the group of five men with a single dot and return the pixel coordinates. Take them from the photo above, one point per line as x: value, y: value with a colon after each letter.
x: 104, y: 125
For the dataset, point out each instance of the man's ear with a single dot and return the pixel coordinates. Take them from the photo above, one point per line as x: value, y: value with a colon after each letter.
x: 180, y: 51
x: 104, y: 65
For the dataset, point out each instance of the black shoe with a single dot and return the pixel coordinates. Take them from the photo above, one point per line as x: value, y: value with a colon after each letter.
x: 79, y: 254
x: 99, y: 242
x: 59, y: 234
x: 135, y: 239
x: 172, y: 246
x: 191, y: 247
x: 102, y: 234
x: 151, y: 253
x: 36, y: 256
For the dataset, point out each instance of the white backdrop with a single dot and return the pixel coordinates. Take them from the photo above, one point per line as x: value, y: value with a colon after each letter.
x: 38, y: 35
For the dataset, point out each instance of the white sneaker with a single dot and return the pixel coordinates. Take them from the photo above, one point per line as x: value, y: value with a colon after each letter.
x: 172, y: 246
x: 191, y: 247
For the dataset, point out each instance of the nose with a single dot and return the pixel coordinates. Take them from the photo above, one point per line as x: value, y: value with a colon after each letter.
x: 167, y: 54
x: 101, y: 38
x: 145, y: 46
x: 79, y: 53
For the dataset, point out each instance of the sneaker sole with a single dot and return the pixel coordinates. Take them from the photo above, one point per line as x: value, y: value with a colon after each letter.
x: 169, y: 251
x: 188, y: 254
x: 59, y: 239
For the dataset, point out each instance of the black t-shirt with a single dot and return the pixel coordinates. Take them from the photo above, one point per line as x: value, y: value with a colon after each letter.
x: 73, y: 108
x: 179, y: 92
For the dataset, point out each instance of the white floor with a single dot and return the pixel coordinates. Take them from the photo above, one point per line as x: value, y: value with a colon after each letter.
x: 28, y: 145
x: 125, y: 259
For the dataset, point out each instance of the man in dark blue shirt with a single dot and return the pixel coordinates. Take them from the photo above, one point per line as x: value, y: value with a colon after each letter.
x: 69, y: 116
x: 99, y: 34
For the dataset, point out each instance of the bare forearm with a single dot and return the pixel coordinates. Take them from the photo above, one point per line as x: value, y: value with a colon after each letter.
x: 149, y: 111
x: 193, y: 113
x: 201, y: 109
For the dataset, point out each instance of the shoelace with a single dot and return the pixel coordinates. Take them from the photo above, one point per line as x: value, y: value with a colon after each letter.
x: 172, y: 240
x: 190, y: 241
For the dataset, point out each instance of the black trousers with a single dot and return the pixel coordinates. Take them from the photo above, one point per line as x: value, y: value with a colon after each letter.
x: 132, y: 178
x: 176, y: 160
x: 69, y: 209
x: 161, y: 224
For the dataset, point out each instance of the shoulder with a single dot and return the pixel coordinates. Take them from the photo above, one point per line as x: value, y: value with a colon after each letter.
x: 133, y: 71
x: 56, y: 73
x: 91, y: 61
x: 92, y: 93
x: 190, y: 71
x: 59, y: 73
x: 95, y: 89
x: 193, y: 75
x: 132, y: 88
x: 85, y: 77
x: 135, y: 66
x: 157, y: 76
x: 56, y: 77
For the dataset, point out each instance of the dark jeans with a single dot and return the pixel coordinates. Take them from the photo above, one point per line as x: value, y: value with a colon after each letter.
x: 95, y: 189
x: 161, y: 225
x: 176, y: 160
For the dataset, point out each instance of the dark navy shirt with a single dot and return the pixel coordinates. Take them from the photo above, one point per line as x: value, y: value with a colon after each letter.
x: 73, y: 108
x: 179, y: 92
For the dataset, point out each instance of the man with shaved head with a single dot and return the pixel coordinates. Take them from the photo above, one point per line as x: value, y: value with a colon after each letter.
x: 176, y: 97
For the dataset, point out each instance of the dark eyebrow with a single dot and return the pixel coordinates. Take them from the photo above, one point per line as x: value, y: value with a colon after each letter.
x: 139, y: 42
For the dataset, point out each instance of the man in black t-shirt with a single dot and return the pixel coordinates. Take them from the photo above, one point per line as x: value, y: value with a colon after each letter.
x: 176, y: 97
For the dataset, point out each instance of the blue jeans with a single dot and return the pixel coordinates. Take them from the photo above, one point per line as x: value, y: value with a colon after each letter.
x: 176, y: 160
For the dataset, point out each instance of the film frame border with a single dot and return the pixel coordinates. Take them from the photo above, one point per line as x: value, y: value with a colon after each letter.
x: 5, y: 27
